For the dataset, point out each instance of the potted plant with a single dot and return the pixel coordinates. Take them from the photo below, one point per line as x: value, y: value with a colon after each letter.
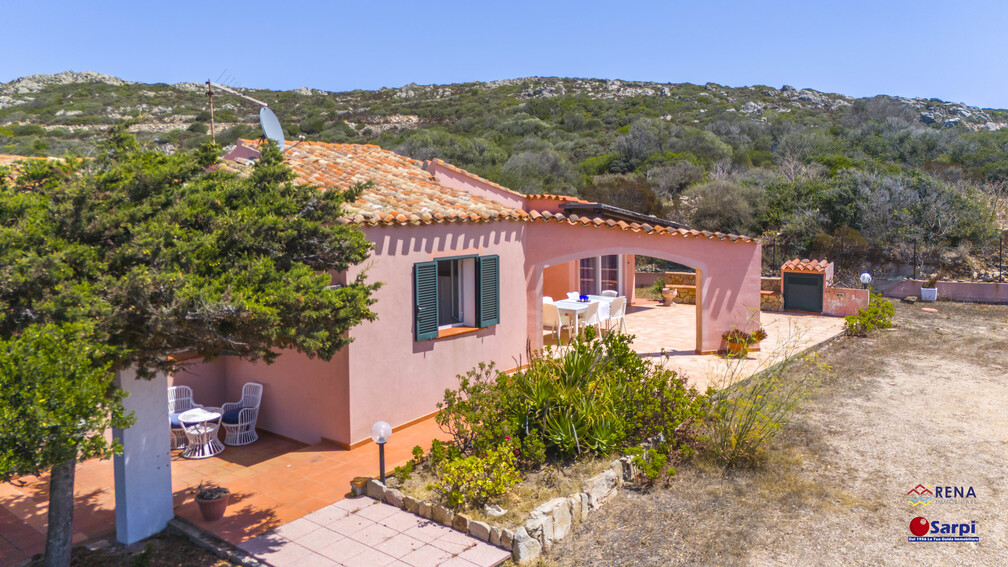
x: 359, y: 484
x: 929, y: 291
x: 212, y: 500
x: 738, y: 342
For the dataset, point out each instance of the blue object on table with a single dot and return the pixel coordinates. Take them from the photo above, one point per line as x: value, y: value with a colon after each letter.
x: 583, y: 298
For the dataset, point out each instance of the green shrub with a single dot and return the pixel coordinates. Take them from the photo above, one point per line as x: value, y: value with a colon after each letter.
x: 598, y: 397
x: 473, y: 481
x: 878, y: 315
x: 652, y: 465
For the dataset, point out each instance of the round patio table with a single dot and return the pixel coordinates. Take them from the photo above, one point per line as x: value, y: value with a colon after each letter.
x: 201, y: 426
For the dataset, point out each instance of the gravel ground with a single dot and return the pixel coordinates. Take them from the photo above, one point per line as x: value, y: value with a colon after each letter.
x: 923, y: 403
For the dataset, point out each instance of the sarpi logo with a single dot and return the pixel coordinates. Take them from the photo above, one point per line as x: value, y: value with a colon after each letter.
x: 923, y: 495
x: 923, y: 530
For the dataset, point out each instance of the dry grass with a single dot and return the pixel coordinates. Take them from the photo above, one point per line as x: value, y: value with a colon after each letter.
x: 162, y: 550
x: 921, y: 402
x: 537, y: 487
x: 647, y: 292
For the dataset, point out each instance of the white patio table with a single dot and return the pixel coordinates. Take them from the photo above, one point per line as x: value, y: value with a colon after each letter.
x: 201, y: 426
x: 573, y: 308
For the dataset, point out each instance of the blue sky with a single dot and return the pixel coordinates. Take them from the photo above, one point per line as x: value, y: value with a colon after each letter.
x: 951, y: 51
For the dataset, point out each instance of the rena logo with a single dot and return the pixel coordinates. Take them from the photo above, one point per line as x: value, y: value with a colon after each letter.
x: 923, y: 495
x: 920, y: 495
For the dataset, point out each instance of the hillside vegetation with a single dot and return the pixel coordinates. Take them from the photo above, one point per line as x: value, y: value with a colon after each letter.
x: 862, y: 181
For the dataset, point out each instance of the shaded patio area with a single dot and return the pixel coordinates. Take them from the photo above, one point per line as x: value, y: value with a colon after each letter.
x: 273, y: 482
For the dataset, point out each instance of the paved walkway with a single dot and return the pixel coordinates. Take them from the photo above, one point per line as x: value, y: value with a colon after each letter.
x: 363, y: 532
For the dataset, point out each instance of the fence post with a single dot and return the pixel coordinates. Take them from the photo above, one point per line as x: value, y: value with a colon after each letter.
x: 915, y: 259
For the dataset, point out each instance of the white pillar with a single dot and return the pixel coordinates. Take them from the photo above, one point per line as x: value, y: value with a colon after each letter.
x: 143, y: 486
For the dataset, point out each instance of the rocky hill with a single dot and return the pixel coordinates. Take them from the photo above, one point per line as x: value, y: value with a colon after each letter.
x: 820, y: 171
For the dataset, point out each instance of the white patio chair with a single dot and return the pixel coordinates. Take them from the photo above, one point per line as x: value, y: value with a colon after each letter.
x: 610, y: 293
x: 591, y: 317
x: 201, y: 437
x: 180, y: 399
x: 552, y: 320
x: 573, y: 295
x: 547, y: 299
x: 617, y: 313
x: 240, y: 417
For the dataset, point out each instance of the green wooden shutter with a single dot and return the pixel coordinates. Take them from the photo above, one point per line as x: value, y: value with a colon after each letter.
x: 425, y: 301
x: 487, y: 291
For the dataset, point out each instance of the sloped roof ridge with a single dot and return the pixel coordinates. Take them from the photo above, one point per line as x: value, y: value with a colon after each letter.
x: 440, y: 162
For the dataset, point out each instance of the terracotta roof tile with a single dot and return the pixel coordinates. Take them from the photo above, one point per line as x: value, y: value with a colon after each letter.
x: 552, y: 197
x: 805, y: 265
x: 405, y: 193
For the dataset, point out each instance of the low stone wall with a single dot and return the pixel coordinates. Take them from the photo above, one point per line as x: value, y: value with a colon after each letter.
x: 680, y: 278
x: 685, y: 295
x: 771, y: 302
x: 770, y: 284
x: 549, y: 523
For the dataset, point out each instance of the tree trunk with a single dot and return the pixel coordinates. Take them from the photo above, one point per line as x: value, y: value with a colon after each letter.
x: 61, y: 501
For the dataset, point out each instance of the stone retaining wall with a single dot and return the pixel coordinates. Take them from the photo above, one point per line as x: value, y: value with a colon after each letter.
x: 680, y: 278
x: 549, y: 523
x: 773, y: 302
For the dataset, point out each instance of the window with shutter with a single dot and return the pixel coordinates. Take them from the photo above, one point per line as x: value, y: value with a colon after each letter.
x: 488, y: 290
x: 425, y: 301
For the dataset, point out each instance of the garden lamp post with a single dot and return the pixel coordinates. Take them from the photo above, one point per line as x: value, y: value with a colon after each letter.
x: 865, y: 280
x: 380, y: 434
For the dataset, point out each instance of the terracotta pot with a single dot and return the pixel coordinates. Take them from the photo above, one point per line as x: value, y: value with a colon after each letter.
x: 359, y: 485
x: 213, y: 510
x: 740, y: 349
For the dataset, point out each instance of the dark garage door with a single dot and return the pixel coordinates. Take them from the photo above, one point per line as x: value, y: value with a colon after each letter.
x: 803, y: 292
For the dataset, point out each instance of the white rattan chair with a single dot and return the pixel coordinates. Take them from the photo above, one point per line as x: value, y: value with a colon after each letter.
x: 573, y: 295
x: 617, y: 313
x: 180, y: 399
x: 201, y: 437
x: 240, y: 417
x: 610, y: 293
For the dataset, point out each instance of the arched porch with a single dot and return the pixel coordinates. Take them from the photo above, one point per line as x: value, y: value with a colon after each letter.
x: 728, y: 270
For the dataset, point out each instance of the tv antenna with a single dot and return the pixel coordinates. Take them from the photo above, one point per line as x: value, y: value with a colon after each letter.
x: 267, y: 119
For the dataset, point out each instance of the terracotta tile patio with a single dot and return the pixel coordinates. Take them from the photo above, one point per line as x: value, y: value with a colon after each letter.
x: 273, y: 482
x: 668, y: 334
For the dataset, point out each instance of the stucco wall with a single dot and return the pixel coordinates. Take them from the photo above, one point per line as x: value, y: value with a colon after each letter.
x: 303, y: 399
x: 981, y: 292
x: 465, y: 183
x: 844, y: 301
x: 205, y: 379
x: 560, y: 279
x: 397, y: 379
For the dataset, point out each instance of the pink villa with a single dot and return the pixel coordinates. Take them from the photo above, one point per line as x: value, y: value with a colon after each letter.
x: 464, y: 264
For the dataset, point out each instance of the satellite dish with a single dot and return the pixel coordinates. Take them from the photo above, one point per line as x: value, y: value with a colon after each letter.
x: 271, y: 127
